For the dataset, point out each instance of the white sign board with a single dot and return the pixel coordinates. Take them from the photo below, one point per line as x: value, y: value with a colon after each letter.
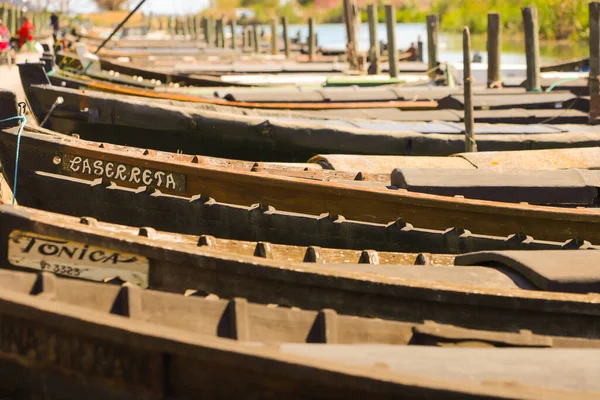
x: 74, y: 259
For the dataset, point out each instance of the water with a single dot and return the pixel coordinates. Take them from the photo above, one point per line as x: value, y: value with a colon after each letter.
x: 333, y: 36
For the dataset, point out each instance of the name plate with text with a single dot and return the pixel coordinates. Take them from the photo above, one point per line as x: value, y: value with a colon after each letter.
x: 75, y: 259
x: 120, y: 172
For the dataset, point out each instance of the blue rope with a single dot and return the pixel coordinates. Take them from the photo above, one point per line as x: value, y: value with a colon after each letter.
x: 19, y: 134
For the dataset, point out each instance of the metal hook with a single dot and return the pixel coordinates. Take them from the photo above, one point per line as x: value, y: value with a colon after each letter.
x: 22, y: 108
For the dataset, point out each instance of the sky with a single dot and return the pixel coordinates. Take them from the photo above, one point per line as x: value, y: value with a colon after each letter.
x: 154, y: 6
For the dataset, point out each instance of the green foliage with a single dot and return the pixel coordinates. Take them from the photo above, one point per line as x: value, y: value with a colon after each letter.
x: 558, y: 19
x: 290, y: 11
x: 409, y: 12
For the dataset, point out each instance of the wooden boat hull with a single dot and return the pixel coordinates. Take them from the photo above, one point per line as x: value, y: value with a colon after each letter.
x: 142, y: 123
x: 44, y: 153
x: 350, y: 290
x: 57, y: 350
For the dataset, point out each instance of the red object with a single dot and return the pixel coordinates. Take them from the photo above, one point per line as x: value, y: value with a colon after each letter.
x: 26, y: 33
x: 4, y: 38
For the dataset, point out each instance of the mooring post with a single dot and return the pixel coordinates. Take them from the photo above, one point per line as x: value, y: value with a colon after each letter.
x: 274, y: 37
x: 222, y: 33
x: 245, y: 37
x: 191, y: 26
x: 205, y: 30
x: 470, y: 144
x: 216, y: 29
x: 390, y: 22
x: 374, y: 67
x: 197, y: 26
x: 234, y: 36
x: 594, y: 80
x: 286, y: 37
x: 532, y: 48
x: 432, y: 43
x: 256, y: 38
x: 311, y: 39
x: 149, y: 22
x: 350, y: 21
x: 494, y: 44
x: 10, y: 11
x: 420, y: 48
x: 187, y: 28
x: 170, y: 26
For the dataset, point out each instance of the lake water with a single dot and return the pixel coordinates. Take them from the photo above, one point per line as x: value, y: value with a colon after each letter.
x: 333, y: 36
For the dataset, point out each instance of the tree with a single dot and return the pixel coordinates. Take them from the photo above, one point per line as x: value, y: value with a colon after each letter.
x: 111, y: 5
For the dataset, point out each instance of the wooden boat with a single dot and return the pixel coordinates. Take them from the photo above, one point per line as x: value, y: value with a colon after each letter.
x: 539, y: 298
x: 512, y: 116
x: 122, y: 345
x: 269, y: 135
x: 553, y: 159
x: 357, y: 200
x: 73, y: 63
x: 576, y: 64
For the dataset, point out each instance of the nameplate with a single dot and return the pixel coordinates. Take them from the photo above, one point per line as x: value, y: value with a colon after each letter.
x: 75, y: 259
x: 123, y: 173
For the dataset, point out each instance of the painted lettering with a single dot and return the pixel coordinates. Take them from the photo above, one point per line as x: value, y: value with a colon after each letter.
x: 48, y: 249
x: 159, y: 176
x: 170, y: 182
x: 147, y: 177
x: 75, y: 164
x: 109, y: 169
x: 121, y: 172
x: 98, y: 168
x: 87, y: 169
x: 124, y: 173
x: 135, y: 175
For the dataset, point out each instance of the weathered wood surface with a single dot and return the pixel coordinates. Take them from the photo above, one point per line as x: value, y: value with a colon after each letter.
x: 259, y: 222
x: 555, y: 159
x: 249, y: 134
x: 115, y: 355
x: 546, y: 269
x: 238, y: 319
x: 349, y: 199
x: 556, y: 187
x: 404, y: 293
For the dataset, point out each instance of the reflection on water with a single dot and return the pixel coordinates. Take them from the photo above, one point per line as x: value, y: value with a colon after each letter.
x: 513, y: 49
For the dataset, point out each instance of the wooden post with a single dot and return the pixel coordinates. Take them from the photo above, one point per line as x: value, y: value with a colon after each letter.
x: 432, y: 42
x: 186, y: 26
x: 390, y: 22
x: 256, y: 38
x: 149, y: 22
x: 420, y: 48
x: 191, y: 26
x: 350, y: 21
x: 286, y: 37
x: 311, y: 39
x: 197, y: 27
x: 494, y: 38
x: 532, y: 48
x: 274, y: 37
x: 594, y: 82
x: 221, y: 34
x: 470, y: 144
x: 12, y: 19
x: 245, y: 37
x: 170, y: 25
x: 234, y: 37
x: 374, y: 67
